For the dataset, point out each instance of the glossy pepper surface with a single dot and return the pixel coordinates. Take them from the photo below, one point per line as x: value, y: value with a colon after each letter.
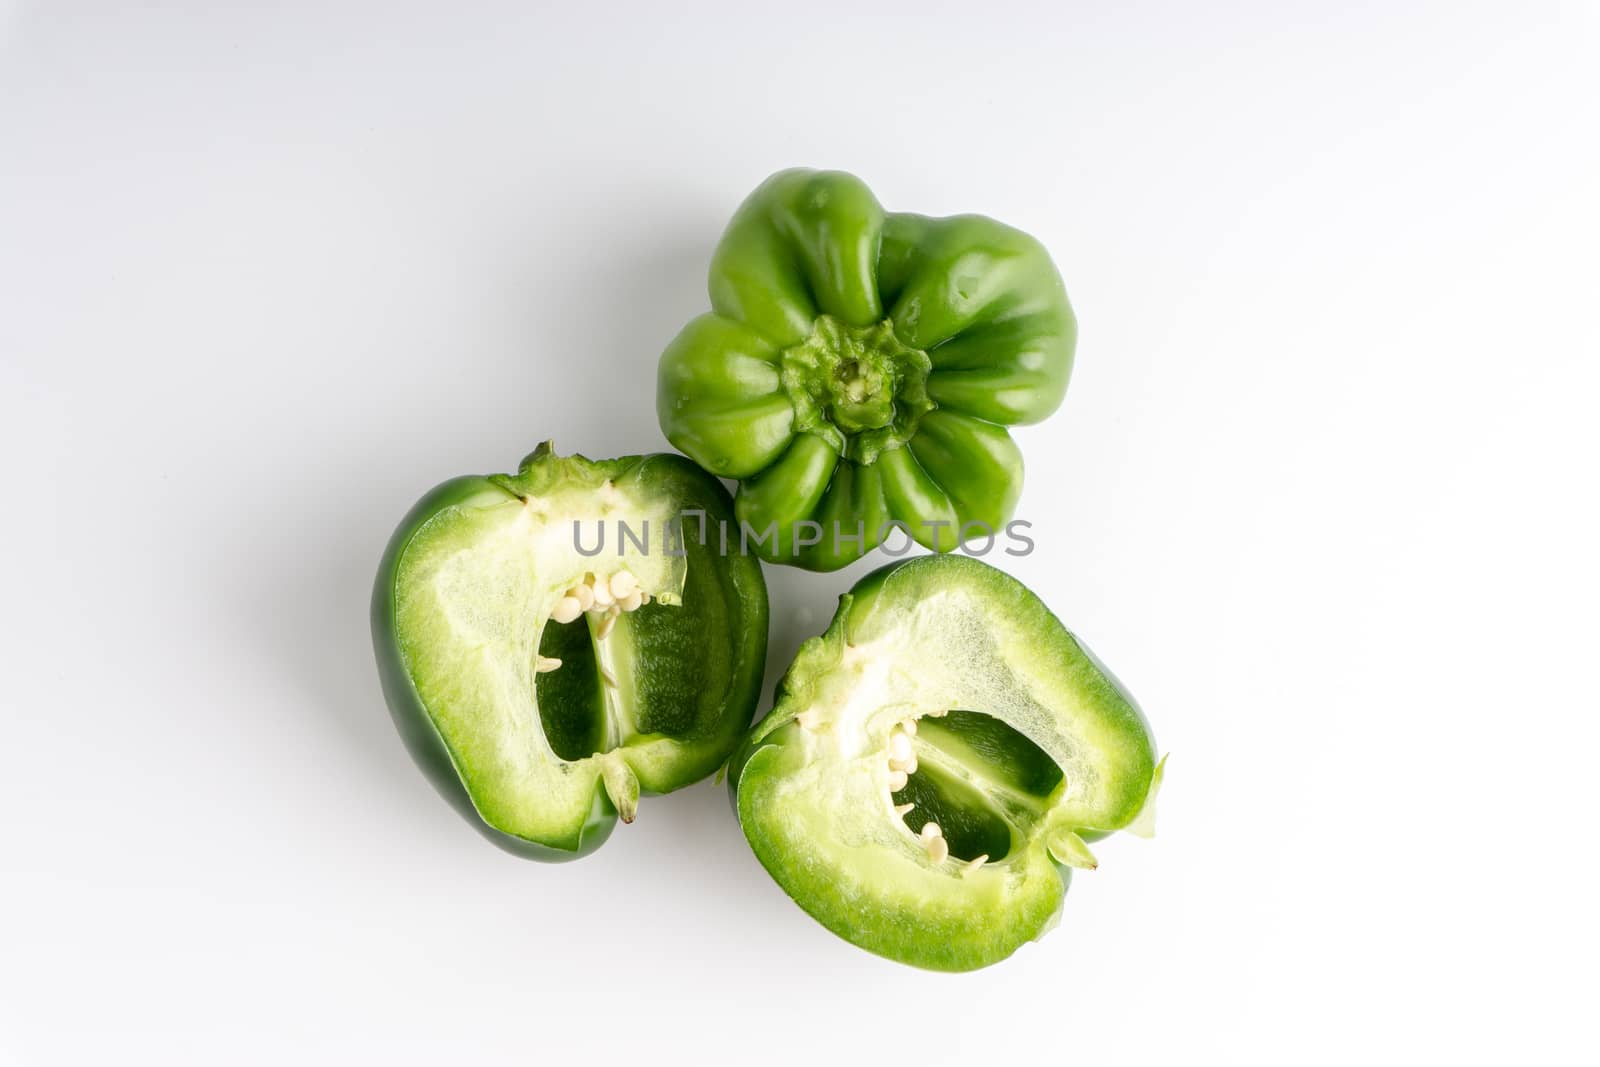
x: 937, y: 763
x: 859, y: 369
x: 555, y: 642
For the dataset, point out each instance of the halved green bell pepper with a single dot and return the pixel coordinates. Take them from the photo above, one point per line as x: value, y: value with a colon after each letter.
x: 937, y: 762
x: 556, y: 642
x: 859, y: 370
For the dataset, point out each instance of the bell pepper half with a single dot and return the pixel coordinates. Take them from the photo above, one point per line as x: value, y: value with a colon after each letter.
x: 555, y: 642
x: 937, y: 763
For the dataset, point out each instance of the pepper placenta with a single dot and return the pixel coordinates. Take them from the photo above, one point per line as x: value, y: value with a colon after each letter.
x: 556, y: 642
x: 936, y: 764
x: 859, y: 369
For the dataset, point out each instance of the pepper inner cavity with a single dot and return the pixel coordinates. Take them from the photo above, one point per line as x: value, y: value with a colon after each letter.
x: 575, y: 688
x: 969, y: 786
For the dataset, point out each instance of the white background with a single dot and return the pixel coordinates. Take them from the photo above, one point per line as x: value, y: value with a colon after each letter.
x: 1323, y: 493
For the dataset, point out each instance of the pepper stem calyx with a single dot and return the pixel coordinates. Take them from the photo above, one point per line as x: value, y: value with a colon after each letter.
x: 860, y: 388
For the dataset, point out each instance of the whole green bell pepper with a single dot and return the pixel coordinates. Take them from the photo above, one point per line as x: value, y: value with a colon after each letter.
x: 936, y: 764
x: 858, y: 370
x: 553, y: 643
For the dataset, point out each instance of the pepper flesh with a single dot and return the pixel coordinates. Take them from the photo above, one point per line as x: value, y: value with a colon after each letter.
x: 936, y: 762
x: 859, y: 369
x: 539, y: 717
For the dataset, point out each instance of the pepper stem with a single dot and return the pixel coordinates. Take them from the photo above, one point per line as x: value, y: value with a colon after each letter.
x: 859, y: 388
x: 1068, y: 848
x: 622, y: 785
x: 1144, y: 824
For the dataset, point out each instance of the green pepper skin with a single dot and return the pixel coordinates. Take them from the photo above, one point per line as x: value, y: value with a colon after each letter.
x: 728, y: 625
x: 1025, y: 749
x: 860, y: 368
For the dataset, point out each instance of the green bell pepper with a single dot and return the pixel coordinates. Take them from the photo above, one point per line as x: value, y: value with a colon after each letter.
x: 858, y: 370
x: 556, y: 642
x: 936, y: 764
